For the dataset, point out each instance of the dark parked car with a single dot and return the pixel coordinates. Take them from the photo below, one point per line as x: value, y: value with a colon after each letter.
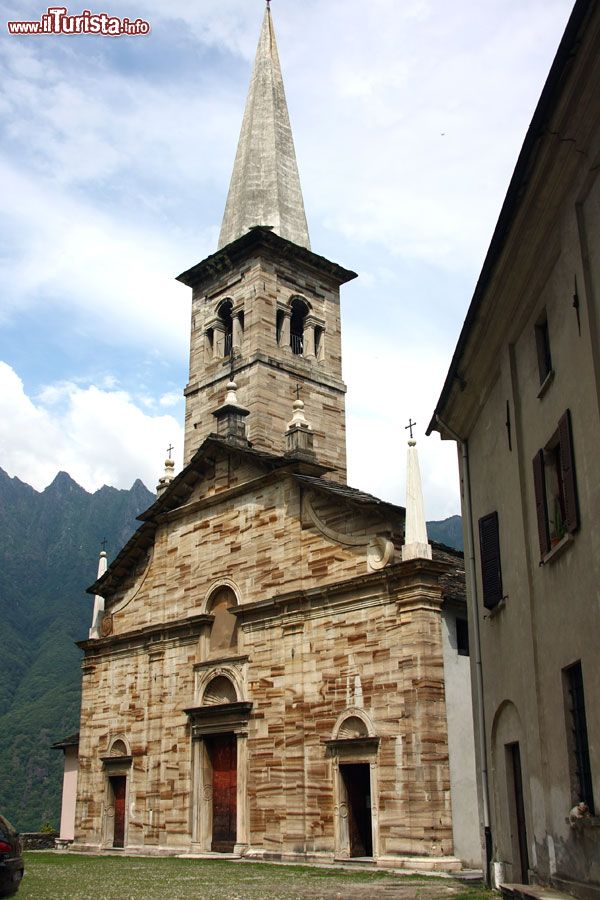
x: 11, y: 859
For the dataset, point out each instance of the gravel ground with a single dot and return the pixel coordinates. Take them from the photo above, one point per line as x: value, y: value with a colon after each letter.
x: 59, y: 876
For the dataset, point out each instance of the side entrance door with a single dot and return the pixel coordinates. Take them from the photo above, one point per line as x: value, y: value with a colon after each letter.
x: 517, y: 804
x: 118, y: 785
x: 223, y: 756
x: 357, y: 781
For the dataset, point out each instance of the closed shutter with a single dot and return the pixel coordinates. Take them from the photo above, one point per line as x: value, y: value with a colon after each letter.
x: 568, y: 472
x: 541, y: 503
x: 491, y: 569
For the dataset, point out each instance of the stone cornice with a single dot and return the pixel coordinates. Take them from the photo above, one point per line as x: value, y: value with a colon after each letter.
x: 296, y: 365
x: 220, y: 661
x: 207, y: 720
x: 412, y: 584
x: 116, y: 760
x: 147, y: 637
x: 359, y: 743
x: 261, y: 241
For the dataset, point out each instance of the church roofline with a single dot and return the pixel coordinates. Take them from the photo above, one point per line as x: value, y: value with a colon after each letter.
x: 71, y: 741
x: 179, y: 489
x: 354, y: 495
x: 261, y: 238
x: 171, y: 499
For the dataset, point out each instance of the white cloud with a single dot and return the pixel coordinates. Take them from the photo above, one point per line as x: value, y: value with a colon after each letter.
x: 387, y: 386
x: 407, y: 119
x: 172, y: 398
x: 98, y: 436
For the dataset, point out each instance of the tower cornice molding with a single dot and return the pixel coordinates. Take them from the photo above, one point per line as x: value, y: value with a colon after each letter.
x: 260, y: 241
x: 306, y: 369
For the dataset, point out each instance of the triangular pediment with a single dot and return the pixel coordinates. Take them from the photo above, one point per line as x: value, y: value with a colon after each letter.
x: 224, y: 473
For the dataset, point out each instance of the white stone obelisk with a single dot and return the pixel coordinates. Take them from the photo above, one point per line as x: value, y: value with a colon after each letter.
x: 98, y: 600
x: 416, y: 543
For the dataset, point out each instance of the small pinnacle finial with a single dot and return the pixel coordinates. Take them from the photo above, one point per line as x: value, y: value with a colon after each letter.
x: 298, y: 419
x: 299, y: 436
x: 170, y: 449
x: 231, y: 392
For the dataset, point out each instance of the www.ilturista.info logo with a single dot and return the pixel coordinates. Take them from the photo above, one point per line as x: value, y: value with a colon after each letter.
x: 56, y: 20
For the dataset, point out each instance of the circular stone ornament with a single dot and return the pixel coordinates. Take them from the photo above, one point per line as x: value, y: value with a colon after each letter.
x: 106, y: 626
x: 380, y: 553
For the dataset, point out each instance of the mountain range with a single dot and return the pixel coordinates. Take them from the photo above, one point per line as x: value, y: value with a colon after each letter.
x: 49, y: 544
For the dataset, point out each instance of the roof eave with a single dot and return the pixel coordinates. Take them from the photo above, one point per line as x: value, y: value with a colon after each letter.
x: 261, y: 238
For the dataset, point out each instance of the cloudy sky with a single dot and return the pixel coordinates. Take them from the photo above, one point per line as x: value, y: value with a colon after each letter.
x: 115, y: 159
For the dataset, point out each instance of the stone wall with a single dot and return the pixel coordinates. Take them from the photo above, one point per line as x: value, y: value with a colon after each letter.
x: 321, y: 635
x: 38, y: 840
x: 266, y: 370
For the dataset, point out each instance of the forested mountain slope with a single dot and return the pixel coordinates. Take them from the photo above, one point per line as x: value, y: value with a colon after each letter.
x: 49, y: 545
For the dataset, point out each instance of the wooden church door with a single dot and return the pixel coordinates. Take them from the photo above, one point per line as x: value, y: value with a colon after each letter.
x: 118, y: 784
x: 223, y: 757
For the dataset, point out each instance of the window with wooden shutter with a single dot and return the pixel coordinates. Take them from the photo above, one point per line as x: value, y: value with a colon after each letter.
x: 491, y: 569
x: 541, y: 504
x: 577, y: 738
x: 568, y: 473
x: 555, y: 485
x: 542, y: 340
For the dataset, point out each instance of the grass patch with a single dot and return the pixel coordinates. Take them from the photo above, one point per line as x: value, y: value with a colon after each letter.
x: 58, y: 876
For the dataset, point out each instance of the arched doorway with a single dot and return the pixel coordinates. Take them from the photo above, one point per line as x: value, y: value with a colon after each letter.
x: 354, y: 751
x: 219, y: 753
x: 221, y: 770
x: 117, y: 767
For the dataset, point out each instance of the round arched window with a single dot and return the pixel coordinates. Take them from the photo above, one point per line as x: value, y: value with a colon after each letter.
x: 225, y: 316
x: 299, y: 312
x: 223, y: 634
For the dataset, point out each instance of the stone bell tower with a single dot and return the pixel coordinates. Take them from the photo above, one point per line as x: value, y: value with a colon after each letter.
x: 264, y: 306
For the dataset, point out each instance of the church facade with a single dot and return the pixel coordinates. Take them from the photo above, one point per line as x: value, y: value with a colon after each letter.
x: 272, y: 652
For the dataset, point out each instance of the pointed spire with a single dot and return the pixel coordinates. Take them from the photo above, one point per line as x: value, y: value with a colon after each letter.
x: 98, y: 612
x: 265, y: 185
x: 416, y: 543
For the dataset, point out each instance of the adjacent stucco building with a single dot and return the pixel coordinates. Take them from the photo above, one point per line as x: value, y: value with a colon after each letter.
x: 522, y: 399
